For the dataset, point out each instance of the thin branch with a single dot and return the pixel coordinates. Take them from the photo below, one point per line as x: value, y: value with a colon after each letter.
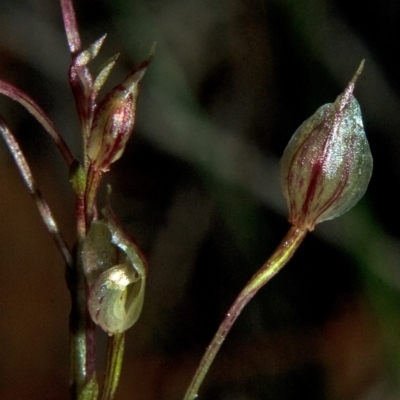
x: 22, y: 98
x: 30, y: 183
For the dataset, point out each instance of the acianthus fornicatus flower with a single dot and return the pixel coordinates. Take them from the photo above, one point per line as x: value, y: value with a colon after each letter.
x: 115, y: 270
x: 327, y: 165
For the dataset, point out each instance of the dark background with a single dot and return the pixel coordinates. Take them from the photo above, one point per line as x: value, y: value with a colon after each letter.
x: 198, y: 186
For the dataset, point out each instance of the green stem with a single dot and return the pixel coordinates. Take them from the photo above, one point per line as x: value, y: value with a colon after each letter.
x: 271, y: 267
x: 82, y: 331
x: 77, y: 332
x: 115, y: 354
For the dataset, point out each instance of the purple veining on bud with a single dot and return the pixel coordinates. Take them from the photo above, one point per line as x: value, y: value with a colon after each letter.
x: 327, y: 165
x: 113, y: 122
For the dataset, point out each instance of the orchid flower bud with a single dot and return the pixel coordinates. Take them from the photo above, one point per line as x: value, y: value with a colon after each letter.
x: 327, y: 165
x: 113, y: 122
x: 115, y: 271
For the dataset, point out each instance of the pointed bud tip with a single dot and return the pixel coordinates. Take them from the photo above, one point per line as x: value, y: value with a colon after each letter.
x: 102, y: 39
x: 358, y: 73
x: 138, y: 73
x: 344, y: 99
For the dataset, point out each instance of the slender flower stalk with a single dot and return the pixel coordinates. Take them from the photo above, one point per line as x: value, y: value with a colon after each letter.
x: 19, y: 96
x: 275, y: 263
x: 42, y: 206
x: 115, y: 353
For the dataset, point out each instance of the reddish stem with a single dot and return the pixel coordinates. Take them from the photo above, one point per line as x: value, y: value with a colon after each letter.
x: 71, y: 26
x: 271, y: 267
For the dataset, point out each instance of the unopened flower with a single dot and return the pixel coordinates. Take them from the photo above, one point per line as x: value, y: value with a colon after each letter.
x: 115, y: 271
x: 327, y: 165
x: 113, y: 122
